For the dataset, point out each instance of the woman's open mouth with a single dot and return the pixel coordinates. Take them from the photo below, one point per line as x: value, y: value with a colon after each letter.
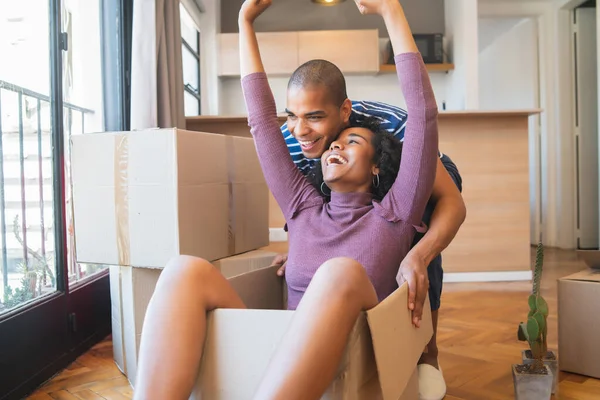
x: 335, y: 159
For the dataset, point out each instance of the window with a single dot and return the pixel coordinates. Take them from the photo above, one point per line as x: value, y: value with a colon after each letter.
x: 63, y: 73
x: 190, y: 54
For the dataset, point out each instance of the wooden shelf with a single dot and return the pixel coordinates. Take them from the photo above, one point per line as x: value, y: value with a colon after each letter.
x: 389, y: 68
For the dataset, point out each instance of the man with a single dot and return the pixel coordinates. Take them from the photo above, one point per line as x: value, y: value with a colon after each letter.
x: 318, y: 109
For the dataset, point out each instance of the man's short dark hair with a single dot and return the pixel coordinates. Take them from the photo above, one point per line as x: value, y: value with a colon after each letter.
x: 321, y: 73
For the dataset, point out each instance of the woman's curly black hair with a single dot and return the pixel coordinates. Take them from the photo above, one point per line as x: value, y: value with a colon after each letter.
x: 387, y: 155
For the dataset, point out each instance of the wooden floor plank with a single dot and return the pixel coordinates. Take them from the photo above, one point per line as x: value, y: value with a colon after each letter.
x: 112, y: 394
x: 476, y: 337
x: 87, y: 395
x: 63, y: 395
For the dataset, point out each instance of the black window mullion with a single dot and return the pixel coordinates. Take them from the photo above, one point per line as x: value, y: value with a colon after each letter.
x: 58, y: 150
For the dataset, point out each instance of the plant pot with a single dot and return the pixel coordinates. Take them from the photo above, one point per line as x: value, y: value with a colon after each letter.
x: 550, y: 360
x: 532, y: 386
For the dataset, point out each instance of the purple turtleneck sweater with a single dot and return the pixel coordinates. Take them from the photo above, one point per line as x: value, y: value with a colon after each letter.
x: 376, y: 234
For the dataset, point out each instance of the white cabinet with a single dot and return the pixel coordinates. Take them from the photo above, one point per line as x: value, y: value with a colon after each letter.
x: 279, y: 52
x: 353, y: 51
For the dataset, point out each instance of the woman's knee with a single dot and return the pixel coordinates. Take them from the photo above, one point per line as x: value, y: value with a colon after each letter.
x: 346, y: 277
x: 187, y: 269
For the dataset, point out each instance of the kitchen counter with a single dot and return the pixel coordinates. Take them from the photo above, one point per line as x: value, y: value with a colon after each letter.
x: 201, y: 122
x: 491, y: 151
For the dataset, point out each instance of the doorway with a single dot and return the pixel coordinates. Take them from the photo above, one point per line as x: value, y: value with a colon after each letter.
x: 585, y: 84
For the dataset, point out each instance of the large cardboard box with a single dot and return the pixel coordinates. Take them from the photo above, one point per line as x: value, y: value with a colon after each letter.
x: 143, y: 197
x: 379, y: 362
x: 579, y: 323
x: 132, y: 289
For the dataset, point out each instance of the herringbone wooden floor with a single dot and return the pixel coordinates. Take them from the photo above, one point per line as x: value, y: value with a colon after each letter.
x: 477, y: 338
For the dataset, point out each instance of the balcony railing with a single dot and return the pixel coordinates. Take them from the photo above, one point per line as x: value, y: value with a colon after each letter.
x: 26, y: 181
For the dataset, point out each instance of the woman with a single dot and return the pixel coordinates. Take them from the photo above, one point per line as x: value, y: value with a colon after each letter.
x: 343, y: 253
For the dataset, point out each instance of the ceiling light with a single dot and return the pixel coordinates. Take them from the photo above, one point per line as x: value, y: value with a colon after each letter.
x: 328, y: 2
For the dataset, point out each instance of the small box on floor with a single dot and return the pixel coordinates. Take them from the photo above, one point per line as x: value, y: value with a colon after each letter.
x: 143, y: 197
x: 579, y: 323
x: 379, y: 362
x: 132, y: 289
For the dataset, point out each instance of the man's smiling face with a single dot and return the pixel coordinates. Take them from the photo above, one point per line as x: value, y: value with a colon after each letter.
x: 314, y: 119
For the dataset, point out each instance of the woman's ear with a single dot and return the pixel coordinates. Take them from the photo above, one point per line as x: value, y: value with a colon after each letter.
x: 375, y: 170
x: 346, y: 110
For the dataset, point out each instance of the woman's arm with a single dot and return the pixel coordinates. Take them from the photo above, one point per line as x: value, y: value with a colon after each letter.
x: 408, y: 197
x: 289, y: 187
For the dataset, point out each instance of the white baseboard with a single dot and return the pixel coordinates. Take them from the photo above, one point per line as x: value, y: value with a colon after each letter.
x: 496, y: 276
x: 277, y: 235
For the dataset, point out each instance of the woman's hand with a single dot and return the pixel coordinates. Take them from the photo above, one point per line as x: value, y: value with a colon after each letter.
x: 281, y: 261
x: 380, y: 7
x: 251, y: 9
x: 395, y: 21
x: 414, y: 271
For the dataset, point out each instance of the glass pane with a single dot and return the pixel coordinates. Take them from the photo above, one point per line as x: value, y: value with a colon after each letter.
x: 191, y: 69
x: 189, y: 33
x: 27, y: 257
x: 191, y: 105
x: 83, y: 96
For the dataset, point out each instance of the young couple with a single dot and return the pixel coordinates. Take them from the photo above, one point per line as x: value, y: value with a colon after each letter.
x: 352, y: 222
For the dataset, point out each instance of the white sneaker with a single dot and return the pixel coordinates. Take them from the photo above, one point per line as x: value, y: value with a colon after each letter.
x: 431, y: 383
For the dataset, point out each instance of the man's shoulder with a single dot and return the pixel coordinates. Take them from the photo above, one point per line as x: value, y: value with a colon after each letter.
x: 392, y: 118
x: 378, y: 108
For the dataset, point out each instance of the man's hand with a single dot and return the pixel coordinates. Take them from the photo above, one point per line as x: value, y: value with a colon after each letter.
x: 280, y: 259
x: 414, y: 271
x: 251, y: 9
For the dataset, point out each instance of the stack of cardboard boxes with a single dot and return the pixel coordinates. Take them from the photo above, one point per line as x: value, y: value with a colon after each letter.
x: 579, y: 319
x: 143, y: 197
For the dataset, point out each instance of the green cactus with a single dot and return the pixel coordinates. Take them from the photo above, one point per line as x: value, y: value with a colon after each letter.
x: 535, y: 330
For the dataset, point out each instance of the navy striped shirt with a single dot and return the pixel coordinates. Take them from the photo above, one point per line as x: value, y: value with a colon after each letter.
x: 393, y: 119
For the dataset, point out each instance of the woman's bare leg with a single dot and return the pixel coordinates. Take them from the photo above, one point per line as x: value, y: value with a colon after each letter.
x: 310, y: 352
x: 174, y: 327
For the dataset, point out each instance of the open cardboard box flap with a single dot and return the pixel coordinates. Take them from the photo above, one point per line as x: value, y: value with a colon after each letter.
x: 240, y: 343
x: 398, y: 344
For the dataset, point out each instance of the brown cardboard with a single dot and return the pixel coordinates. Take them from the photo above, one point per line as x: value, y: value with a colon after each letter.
x: 245, y: 262
x: 579, y: 323
x: 143, y: 197
x: 117, y: 318
x: 240, y: 343
x: 249, y: 226
x: 138, y: 285
x: 132, y: 288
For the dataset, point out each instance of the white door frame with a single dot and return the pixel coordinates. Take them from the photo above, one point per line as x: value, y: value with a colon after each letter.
x: 556, y: 152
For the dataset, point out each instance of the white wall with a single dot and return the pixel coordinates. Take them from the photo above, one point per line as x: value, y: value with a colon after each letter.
x: 508, y: 70
x: 462, y: 38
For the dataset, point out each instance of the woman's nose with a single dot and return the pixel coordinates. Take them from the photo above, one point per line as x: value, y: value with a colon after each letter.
x: 335, y: 145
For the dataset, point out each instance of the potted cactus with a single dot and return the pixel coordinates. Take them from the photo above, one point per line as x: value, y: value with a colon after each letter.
x: 535, y: 378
